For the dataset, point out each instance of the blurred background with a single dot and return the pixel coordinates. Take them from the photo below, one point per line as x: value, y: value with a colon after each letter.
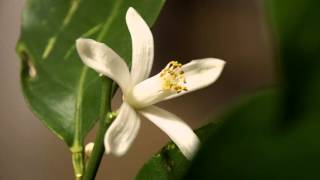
x: 233, y: 30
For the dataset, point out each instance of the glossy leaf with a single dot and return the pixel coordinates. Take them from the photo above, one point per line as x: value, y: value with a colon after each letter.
x: 64, y: 94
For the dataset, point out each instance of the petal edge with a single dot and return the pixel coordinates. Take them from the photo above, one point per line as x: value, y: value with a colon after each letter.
x: 104, y: 60
x: 180, y: 133
x: 142, y: 46
x: 122, y: 131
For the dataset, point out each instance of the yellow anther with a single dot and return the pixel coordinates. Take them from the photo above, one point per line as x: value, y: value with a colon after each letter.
x: 173, y: 77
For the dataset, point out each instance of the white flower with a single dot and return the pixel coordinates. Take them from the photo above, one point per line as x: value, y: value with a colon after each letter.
x: 141, y: 92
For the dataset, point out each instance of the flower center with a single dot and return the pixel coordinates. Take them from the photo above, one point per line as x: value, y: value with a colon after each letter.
x: 173, y: 77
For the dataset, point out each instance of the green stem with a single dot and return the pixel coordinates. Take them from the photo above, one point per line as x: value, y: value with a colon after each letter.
x: 98, y: 149
x: 77, y: 161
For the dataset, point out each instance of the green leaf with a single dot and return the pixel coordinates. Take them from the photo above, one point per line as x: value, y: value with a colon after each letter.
x: 246, y: 135
x: 296, y: 26
x: 64, y: 94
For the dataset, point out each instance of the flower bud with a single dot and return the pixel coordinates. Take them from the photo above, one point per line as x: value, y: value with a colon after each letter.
x: 88, y: 149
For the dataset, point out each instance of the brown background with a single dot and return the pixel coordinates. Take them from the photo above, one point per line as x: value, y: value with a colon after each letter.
x: 233, y: 30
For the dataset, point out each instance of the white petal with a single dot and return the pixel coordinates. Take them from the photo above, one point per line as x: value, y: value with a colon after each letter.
x: 122, y: 131
x: 142, y: 46
x: 200, y: 74
x: 180, y: 133
x: 148, y: 92
x: 104, y: 60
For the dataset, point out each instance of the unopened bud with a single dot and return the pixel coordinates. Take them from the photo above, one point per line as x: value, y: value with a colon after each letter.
x: 88, y: 149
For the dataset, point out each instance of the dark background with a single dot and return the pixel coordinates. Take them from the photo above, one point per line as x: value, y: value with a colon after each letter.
x: 233, y: 30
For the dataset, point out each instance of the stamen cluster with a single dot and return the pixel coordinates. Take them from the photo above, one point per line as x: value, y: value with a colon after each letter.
x: 173, y: 77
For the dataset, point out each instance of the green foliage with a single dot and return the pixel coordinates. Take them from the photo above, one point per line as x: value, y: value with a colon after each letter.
x: 273, y: 134
x: 252, y: 143
x: 170, y: 164
x: 64, y: 94
x: 296, y: 26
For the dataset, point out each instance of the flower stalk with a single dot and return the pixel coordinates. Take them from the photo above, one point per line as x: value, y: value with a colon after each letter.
x: 104, y: 123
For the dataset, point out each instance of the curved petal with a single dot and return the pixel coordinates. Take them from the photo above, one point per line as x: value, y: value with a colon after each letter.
x: 148, y: 92
x: 142, y: 46
x: 180, y: 133
x: 200, y: 74
x: 122, y: 131
x: 104, y: 60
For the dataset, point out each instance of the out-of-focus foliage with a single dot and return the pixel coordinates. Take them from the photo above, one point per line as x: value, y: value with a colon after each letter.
x: 65, y: 95
x: 297, y: 33
x: 273, y: 134
x: 170, y: 163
